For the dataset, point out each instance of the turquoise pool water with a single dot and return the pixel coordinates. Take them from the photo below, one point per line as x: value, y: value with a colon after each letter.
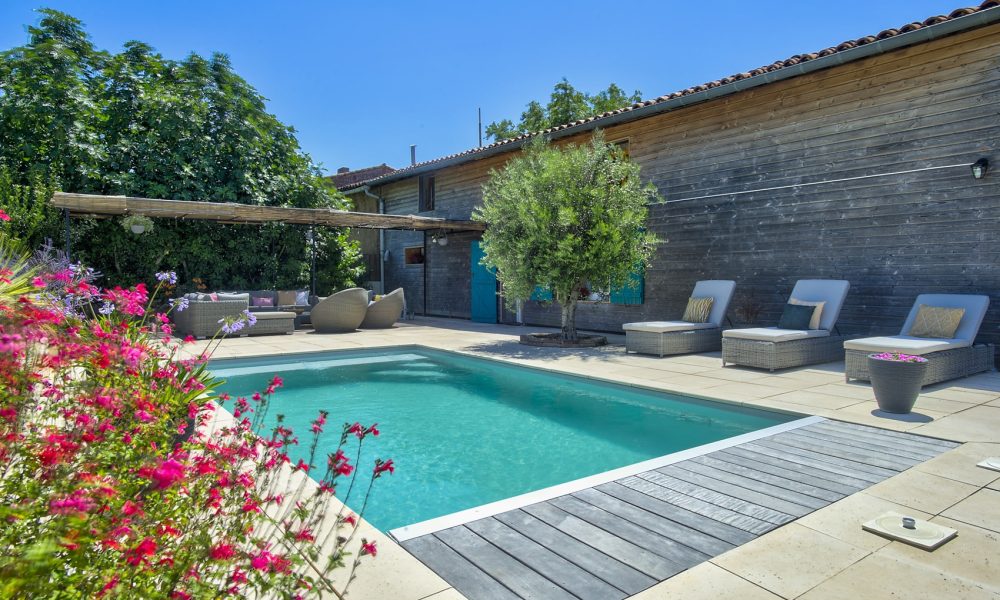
x: 466, y: 431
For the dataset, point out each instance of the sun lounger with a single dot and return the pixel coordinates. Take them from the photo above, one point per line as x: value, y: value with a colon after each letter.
x: 683, y: 337
x: 773, y: 348
x: 948, y: 358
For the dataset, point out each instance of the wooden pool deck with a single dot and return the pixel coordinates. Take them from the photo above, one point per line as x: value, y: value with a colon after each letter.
x: 619, y: 538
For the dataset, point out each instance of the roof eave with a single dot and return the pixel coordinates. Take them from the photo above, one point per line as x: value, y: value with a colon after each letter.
x: 922, y: 35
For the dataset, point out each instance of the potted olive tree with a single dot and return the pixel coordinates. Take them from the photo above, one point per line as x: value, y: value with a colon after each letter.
x: 896, y: 380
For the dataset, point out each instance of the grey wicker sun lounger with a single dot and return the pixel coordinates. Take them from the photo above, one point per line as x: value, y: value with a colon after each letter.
x: 384, y: 312
x: 340, y: 312
x: 946, y: 358
x: 772, y: 348
x: 680, y: 337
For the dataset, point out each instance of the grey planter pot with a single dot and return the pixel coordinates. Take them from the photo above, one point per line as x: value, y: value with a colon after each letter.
x: 896, y: 384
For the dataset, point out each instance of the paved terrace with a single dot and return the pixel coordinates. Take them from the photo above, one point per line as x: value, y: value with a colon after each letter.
x: 823, y: 554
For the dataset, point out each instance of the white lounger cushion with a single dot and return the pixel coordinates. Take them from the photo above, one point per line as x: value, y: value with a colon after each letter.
x: 773, y: 334
x: 905, y: 344
x: 667, y: 326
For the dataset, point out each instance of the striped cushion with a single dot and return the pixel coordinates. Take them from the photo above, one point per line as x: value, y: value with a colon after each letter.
x: 698, y: 309
x: 936, y: 322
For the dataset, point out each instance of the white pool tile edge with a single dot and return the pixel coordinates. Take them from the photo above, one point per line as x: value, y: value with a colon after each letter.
x: 408, y: 532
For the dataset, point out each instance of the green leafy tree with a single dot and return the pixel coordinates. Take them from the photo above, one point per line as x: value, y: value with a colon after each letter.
x: 134, y: 123
x: 560, y: 217
x: 566, y: 104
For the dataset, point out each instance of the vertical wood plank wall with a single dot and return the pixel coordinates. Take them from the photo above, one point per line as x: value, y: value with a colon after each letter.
x: 893, y: 237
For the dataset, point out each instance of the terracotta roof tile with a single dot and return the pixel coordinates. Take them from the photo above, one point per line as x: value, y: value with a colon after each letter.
x: 776, y: 66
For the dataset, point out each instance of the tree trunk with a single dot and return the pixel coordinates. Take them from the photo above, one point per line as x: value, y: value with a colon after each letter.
x: 568, y: 333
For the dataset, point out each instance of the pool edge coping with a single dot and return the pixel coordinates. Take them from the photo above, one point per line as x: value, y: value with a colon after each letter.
x: 430, y: 526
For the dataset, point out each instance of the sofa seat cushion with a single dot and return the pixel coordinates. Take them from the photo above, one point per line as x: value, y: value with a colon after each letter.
x: 905, y: 344
x: 773, y: 334
x: 267, y: 316
x: 666, y: 326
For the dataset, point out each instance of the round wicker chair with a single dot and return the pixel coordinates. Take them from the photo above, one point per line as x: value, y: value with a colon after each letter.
x: 340, y: 312
x: 384, y: 312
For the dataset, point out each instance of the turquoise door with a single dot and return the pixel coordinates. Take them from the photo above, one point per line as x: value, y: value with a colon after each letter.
x: 484, y: 288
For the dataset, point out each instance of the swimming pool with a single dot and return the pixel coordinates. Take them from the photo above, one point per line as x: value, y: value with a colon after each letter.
x: 466, y: 431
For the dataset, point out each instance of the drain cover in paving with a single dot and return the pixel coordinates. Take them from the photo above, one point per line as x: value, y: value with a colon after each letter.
x: 924, y: 534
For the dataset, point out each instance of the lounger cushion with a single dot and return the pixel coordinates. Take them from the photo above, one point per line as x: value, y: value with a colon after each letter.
x: 773, y: 334
x: 795, y: 316
x: 936, y: 322
x: 698, y: 309
x: 666, y: 326
x: 817, y: 310
x: 906, y: 344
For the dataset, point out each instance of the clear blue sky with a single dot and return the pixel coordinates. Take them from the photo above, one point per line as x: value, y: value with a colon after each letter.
x: 361, y: 81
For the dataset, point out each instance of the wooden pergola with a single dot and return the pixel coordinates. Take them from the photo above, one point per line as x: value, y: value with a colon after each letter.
x: 92, y: 205
x: 98, y: 206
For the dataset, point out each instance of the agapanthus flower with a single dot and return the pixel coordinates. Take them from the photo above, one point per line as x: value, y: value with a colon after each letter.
x: 179, y: 304
x: 168, y: 276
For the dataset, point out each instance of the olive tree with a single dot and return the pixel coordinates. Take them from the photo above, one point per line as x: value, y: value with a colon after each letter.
x: 562, y: 218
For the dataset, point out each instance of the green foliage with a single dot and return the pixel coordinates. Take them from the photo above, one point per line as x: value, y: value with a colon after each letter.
x: 561, y: 217
x: 137, y: 124
x: 566, y: 104
x: 32, y: 218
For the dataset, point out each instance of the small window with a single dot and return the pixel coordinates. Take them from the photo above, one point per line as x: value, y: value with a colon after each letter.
x: 413, y: 255
x: 622, y: 145
x: 426, y: 193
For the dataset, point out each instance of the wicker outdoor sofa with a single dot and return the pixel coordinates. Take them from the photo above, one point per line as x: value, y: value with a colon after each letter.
x: 772, y: 348
x: 682, y: 337
x: 203, y: 316
x: 947, y: 358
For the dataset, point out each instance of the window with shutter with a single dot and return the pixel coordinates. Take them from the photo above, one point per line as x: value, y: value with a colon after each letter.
x: 426, y: 186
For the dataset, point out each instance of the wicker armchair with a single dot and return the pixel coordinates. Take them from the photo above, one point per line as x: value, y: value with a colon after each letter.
x: 384, y: 312
x: 340, y: 312
x: 201, y: 317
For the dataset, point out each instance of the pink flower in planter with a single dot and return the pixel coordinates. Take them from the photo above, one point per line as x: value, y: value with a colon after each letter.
x: 898, y: 357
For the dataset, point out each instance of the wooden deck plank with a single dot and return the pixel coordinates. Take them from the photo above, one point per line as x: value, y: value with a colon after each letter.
x: 787, y: 468
x: 645, y: 561
x: 719, y: 499
x: 826, y: 468
x: 548, y: 564
x: 850, y: 442
x: 513, y: 574
x: 851, y: 468
x: 870, y: 458
x: 718, y: 529
x: 915, y: 446
x: 756, y: 485
x: 463, y: 575
x: 614, y: 572
x: 697, y: 505
x: 670, y: 549
x: 692, y: 538
x: 738, y: 491
x: 888, y: 433
x: 823, y: 495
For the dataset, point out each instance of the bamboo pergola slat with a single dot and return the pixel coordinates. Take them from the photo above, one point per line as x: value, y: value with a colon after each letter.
x: 83, y: 205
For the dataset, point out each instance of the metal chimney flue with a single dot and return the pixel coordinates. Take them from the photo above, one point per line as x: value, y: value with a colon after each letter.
x: 413, y: 154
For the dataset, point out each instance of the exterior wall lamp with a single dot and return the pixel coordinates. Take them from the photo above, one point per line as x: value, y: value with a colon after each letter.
x: 980, y: 167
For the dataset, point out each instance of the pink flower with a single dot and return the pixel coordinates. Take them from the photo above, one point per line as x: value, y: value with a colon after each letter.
x: 222, y: 552
x: 368, y: 548
x: 351, y: 519
x: 261, y: 561
x: 4, y: 216
x: 167, y: 473
x: 141, y: 553
x: 382, y: 467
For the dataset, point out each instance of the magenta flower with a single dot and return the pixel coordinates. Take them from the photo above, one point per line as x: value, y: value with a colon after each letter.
x: 898, y: 357
x: 167, y: 473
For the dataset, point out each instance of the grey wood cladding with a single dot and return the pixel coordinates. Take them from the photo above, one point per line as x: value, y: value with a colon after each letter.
x: 616, y: 539
x: 892, y: 237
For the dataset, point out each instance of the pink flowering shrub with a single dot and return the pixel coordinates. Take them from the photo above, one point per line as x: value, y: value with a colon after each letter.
x: 121, y: 477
